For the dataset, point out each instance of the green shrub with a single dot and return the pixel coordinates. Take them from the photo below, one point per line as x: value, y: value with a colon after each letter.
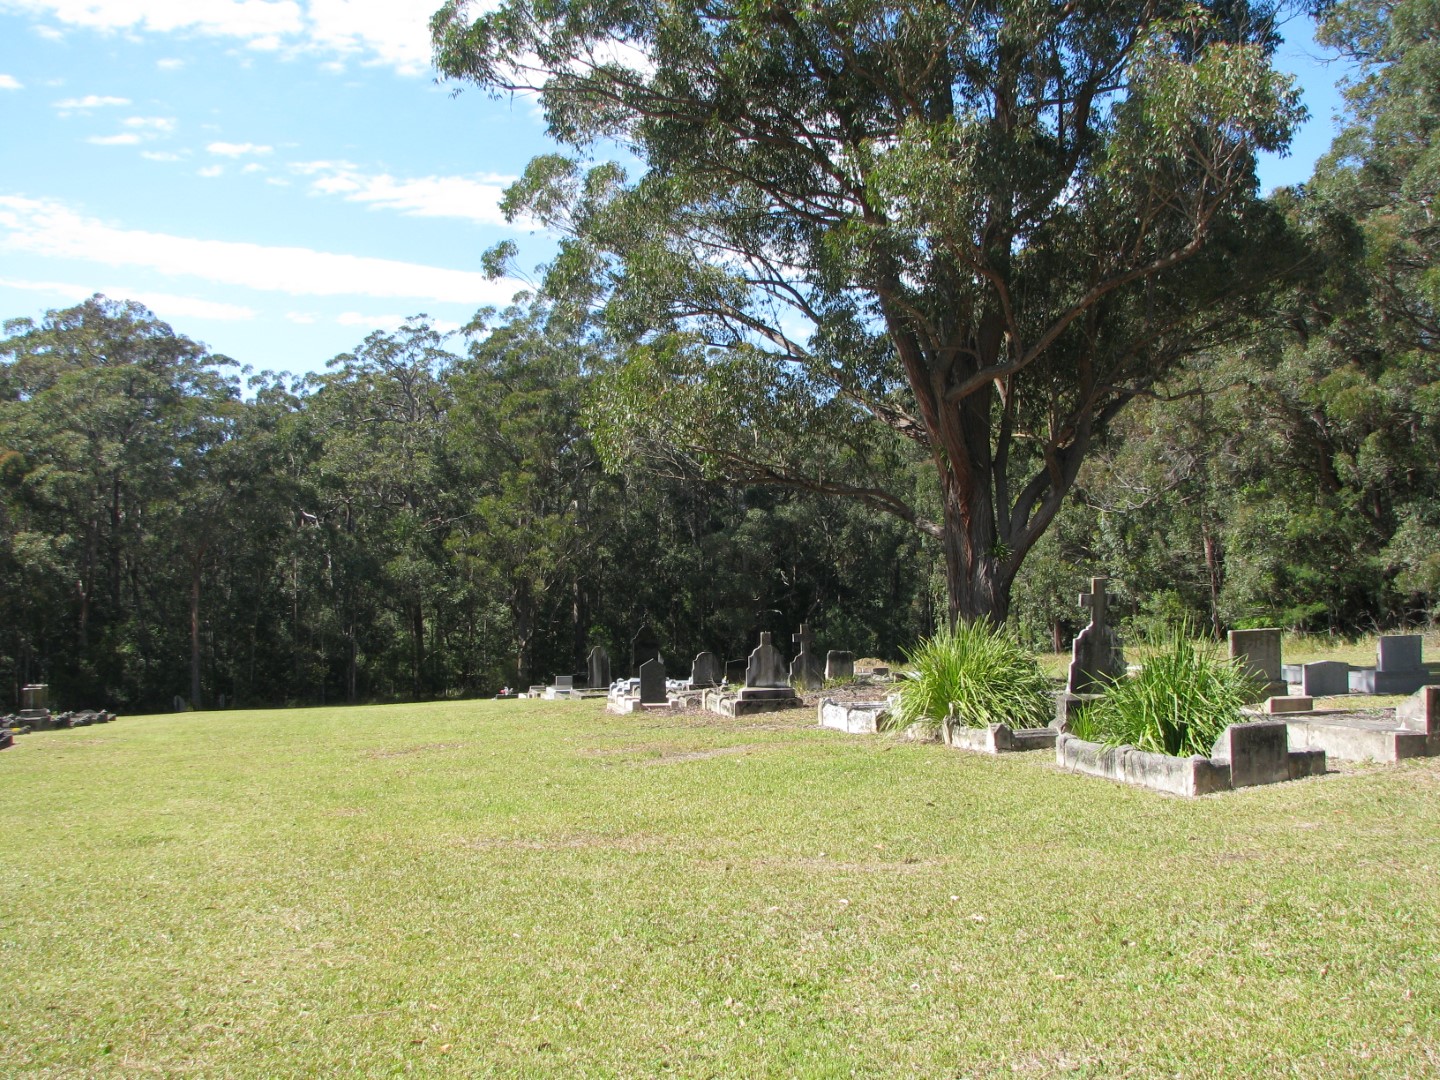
x: 983, y: 672
x: 1186, y: 694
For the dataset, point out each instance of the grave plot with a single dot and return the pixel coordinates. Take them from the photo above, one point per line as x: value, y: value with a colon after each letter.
x: 35, y: 715
x: 1383, y: 735
x: 646, y: 694
x: 1245, y: 755
x: 767, y: 685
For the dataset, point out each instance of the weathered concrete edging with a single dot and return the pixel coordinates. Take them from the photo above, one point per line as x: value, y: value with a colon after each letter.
x: 999, y: 738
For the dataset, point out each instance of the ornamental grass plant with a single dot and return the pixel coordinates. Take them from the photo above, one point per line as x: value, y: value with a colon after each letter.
x: 973, y: 676
x: 1183, y: 698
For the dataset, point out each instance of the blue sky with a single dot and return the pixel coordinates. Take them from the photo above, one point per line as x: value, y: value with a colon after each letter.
x: 278, y: 178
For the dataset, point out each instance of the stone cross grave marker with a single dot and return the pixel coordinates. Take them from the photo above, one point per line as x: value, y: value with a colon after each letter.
x: 652, y: 683
x: 805, y: 671
x: 1095, y: 658
x: 597, y: 668
x: 766, y: 667
x: 705, y: 671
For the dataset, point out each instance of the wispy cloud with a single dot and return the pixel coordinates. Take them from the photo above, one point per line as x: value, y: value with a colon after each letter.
x: 209, y: 172
x: 394, y: 33
x: 128, y: 138
x: 49, y: 228
x: 159, y: 155
x: 170, y: 63
x: 166, y: 305
x: 91, y: 101
x: 471, y: 198
x: 161, y: 125
x: 9, y: 82
x: 235, y: 150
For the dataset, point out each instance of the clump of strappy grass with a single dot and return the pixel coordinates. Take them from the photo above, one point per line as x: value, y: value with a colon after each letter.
x: 1184, y: 696
x: 973, y: 676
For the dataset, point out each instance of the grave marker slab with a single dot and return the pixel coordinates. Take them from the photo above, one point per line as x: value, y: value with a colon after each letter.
x: 597, y: 668
x: 839, y: 665
x: 766, y: 668
x: 1324, y: 678
x: 705, y: 671
x: 735, y: 672
x: 644, y: 646
x: 1258, y: 651
x: 652, y: 683
x: 805, y: 670
x: 1096, y: 660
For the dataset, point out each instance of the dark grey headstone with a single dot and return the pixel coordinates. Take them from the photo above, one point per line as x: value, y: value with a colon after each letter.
x: 839, y: 665
x: 1324, y: 678
x: 1258, y: 753
x: 766, y: 667
x: 1095, y: 657
x: 35, y: 696
x: 1258, y: 652
x: 597, y: 668
x: 564, y: 682
x: 705, y: 671
x: 652, y: 683
x: 1398, y: 652
x: 644, y: 646
x: 735, y: 672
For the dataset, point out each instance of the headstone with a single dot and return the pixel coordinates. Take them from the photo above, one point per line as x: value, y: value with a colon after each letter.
x: 537, y: 691
x: 644, y: 646
x: 1258, y: 652
x: 735, y: 672
x: 1324, y: 678
x: 805, y: 670
x: 564, y: 682
x: 35, y: 697
x: 1399, y: 652
x: 652, y: 683
x: 1258, y: 753
x: 839, y: 665
x: 597, y: 668
x: 766, y: 667
x: 705, y: 671
x: 1095, y: 660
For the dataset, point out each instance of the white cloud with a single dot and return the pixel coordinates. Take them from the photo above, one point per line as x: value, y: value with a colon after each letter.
x: 209, y: 172
x: 170, y: 63
x: 129, y: 138
x: 166, y: 305
x: 159, y: 155
x: 91, y: 101
x: 303, y: 318
x: 163, y: 124
x: 471, y: 198
x: 394, y: 33
x: 235, y: 150
x: 49, y: 228
x: 9, y: 82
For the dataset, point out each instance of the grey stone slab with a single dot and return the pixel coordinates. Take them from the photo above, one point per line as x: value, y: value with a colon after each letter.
x: 564, y: 682
x: 853, y: 717
x: 999, y: 738
x: 1357, y: 739
x: 735, y: 672
x: 1259, y: 653
x: 766, y: 667
x: 1399, y: 652
x: 644, y: 646
x: 35, y: 696
x: 1421, y: 712
x: 1096, y: 659
x: 1372, y: 681
x: 1158, y: 772
x: 705, y: 671
x: 806, y: 672
x: 652, y: 683
x: 1258, y: 753
x: 1324, y: 678
x: 597, y: 668
x: 839, y: 665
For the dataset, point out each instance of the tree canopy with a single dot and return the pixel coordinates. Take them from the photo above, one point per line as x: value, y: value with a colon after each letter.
x: 984, y: 226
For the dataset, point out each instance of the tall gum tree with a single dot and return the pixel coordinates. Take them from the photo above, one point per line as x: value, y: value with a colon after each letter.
x: 983, y: 226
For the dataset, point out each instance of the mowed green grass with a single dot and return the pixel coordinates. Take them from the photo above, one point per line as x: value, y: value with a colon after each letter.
x: 541, y: 889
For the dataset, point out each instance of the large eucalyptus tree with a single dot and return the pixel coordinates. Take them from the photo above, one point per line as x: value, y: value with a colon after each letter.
x: 983, y: 225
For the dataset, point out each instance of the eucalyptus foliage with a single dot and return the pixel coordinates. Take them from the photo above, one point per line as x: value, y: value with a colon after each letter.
x: 974, y: 675
x: 867, y: 234
x: 1185, y: 695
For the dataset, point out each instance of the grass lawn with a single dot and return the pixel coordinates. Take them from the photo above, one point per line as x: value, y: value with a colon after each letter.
x: 540, y: 889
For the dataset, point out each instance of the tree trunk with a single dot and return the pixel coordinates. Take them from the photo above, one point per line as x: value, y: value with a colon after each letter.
x: 195, y: 568
x: 976, y: 581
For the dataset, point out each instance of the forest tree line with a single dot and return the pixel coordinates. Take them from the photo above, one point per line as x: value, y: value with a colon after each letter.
x: 439, y: 515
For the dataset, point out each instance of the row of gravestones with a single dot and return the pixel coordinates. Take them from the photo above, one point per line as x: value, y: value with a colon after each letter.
x: 1098, y: 661
x: 805, y: 671
x: 35, y: 715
